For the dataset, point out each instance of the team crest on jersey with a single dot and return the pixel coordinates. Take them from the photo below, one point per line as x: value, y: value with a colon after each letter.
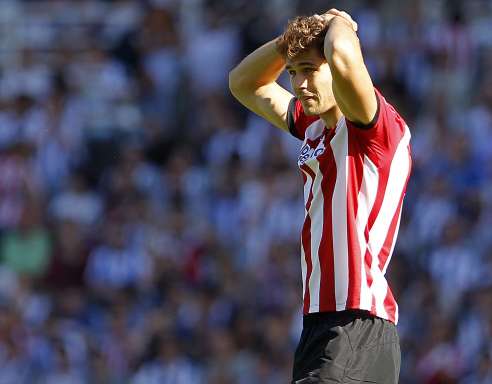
x: 308, y: 152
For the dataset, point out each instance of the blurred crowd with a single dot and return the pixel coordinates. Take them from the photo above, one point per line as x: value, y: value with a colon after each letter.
x: 149, y: 224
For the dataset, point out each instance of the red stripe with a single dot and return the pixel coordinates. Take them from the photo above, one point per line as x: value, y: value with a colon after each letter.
x: 328, y: 169
x: 390, y: 306
x: 383, y: 175
x: 388, y: 242
x: 306, y: 237
x: 355, y: 171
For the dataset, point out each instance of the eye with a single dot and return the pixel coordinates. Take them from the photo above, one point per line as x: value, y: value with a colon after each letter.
x: 308, y: 70
x: 292, y: 72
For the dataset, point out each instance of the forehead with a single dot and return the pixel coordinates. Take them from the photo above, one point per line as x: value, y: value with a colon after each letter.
x: 310, y: 57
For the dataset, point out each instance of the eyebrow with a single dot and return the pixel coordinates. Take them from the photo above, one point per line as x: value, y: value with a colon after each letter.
x: 301, y: 64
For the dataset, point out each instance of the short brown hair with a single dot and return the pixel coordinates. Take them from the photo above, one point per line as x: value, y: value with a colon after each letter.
x: 301, y: 34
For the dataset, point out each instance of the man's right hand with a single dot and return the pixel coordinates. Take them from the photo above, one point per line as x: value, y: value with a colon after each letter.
x: 327, y: 16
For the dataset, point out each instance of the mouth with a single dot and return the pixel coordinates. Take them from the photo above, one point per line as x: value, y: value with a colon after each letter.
x: 306, y: 97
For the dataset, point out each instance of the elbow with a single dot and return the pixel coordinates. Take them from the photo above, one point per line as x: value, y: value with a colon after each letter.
x: 238, y: 84
x: 233, y: 80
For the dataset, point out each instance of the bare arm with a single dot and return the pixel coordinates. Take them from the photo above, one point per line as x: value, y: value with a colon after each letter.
x: 253, y: 83
x: 352, y: 85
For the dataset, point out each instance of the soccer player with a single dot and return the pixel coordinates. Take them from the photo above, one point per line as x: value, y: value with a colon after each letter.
x: 355, y: 162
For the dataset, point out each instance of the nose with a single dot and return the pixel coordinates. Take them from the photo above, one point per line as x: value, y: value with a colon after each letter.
x: 299, y: 82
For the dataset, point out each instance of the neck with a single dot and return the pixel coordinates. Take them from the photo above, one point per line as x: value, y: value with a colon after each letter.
x: 331, y: 116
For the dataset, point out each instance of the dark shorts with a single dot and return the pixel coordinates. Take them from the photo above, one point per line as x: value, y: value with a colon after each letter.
x: 347, y: 347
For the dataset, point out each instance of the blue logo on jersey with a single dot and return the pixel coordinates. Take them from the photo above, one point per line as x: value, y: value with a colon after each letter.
x: 308, y: 153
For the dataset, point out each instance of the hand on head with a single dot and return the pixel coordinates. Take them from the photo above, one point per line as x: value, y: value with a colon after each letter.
x: 327, y: 16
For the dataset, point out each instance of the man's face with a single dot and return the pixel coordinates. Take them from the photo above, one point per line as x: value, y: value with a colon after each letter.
x: 311, y: 81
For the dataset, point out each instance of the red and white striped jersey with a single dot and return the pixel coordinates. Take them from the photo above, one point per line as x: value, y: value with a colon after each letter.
x: 354, y: 183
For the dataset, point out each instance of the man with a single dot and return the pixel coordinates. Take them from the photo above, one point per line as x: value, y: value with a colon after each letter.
x: 355, y: 163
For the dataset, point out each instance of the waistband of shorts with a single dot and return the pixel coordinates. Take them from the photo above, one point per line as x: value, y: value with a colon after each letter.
x: 338, y: 317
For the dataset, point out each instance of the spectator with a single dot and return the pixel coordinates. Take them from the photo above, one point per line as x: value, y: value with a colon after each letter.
x: 148, y: 223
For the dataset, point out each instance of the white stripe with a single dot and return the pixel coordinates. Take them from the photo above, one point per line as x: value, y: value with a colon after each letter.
x: 316, y: 214
x: 339, y: 145
x: 365, y: 202
x: 307, y: 189
x: 315, y: 129
x: 379, y: 288
x: 400, y: 166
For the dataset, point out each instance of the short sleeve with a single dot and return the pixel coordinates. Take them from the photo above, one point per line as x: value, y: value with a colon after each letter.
x: 380, y: 139
x: 297, y: 120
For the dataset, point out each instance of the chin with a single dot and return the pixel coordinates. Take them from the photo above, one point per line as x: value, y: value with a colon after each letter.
x: 310, y: 111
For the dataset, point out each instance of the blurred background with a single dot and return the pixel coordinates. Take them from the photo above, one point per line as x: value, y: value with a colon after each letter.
x: 149, y: 225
